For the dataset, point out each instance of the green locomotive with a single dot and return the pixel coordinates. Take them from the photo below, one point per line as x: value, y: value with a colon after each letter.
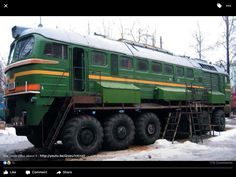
x: 92, y: 92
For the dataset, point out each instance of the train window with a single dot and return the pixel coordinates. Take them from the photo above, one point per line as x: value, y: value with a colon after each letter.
x: 24, y: 48
x: 169, y: 69
x: 156, y: 67
x: 142, y: 65
x: 179, y: 71
x: 11, y: 53
x: 126, y: 63
x: 56, y: 50
x: 208, y: 67
x: 189, y: 73
x: 99, y: 59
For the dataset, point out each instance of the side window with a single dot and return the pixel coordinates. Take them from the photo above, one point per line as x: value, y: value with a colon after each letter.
x: 126, y: 63
x: 99, y: 59
x: 179, y: 71
x: 56, y: 50
x: 142, y: 65
x: 169, y: 69
x: 189, y: 73
x: 156, y: 67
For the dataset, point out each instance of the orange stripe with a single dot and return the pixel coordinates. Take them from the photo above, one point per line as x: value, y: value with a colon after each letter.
x: 118, y: 79
x: 30, y: 61
x: 30, y: 87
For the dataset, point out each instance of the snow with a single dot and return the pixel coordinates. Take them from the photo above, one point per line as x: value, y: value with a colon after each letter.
x: 221, y: 147
x: 9, y: 142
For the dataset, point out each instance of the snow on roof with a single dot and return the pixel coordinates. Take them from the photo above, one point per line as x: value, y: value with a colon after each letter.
x: 160, y: 56
x: 75, y: 38
x: 122, y: 47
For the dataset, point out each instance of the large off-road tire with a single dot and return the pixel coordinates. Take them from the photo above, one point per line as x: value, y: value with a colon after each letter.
x: 218, y: 118
x: 35, y: 137
x: 147, y: 128
x: 118, y: 132
x: 82, y: 135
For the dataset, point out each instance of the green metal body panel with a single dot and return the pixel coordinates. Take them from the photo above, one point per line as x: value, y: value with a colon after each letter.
x: 35, y: 111
x: 127, y: 86
x: 119, y: 92
x: 168, y: 93
x: 216, y: 97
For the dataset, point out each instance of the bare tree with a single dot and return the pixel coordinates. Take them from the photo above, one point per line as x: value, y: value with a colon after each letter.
x: 142, y: 34
x: 229, y: 42
x: 132, y: 33
x: 107, y: 30
x: 200, y: 41
x: 88, y: 28
x: 122, y: 30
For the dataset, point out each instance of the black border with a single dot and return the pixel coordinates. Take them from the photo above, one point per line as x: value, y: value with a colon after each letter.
x: 124, y: 167
x: 117, y: 8
x: 123, y: 8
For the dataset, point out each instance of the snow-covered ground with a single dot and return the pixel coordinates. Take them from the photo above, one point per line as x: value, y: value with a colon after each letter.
x: 9, y: 142
x: 221, y: 147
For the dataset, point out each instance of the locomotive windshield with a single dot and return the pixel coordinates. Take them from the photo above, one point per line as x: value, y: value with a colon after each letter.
x: 22, y: 49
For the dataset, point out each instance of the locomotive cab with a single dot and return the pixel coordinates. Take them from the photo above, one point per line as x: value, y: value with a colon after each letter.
x: 37, y: 72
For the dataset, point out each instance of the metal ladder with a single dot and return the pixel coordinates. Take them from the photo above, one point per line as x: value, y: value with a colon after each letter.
x: 58, y: 123
x: 172, y: 125
x: 195, y: 111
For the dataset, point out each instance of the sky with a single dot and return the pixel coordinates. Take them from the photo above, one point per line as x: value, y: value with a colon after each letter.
x: 176, y: 32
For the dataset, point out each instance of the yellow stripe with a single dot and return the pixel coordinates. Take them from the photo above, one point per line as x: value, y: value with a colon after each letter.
x: 118, y: 79
x: 228, y: 90
x: 44, y: 72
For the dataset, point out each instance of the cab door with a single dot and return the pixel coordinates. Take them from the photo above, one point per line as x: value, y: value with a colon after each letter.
x: 114, y: 65
x: 78, y: 69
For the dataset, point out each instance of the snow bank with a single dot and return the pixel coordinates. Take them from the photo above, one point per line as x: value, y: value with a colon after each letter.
x: 9, y: 142
x: 8, y: 131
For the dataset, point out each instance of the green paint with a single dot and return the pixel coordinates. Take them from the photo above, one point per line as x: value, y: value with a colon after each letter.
x: 113, y: 92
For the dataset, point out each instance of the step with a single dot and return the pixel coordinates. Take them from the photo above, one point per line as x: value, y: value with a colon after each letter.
x: 191, y: 112
x: 197, y: 130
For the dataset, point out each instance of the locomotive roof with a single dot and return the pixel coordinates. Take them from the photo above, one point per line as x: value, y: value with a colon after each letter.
x: 123, y: 47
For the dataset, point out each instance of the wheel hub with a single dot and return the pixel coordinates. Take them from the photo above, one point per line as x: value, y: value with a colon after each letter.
x: 151, y: 129
x: 86, y: 137
x: 121, y: 132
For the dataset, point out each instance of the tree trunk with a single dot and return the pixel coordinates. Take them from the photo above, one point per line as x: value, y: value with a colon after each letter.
x: 227, y: 43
